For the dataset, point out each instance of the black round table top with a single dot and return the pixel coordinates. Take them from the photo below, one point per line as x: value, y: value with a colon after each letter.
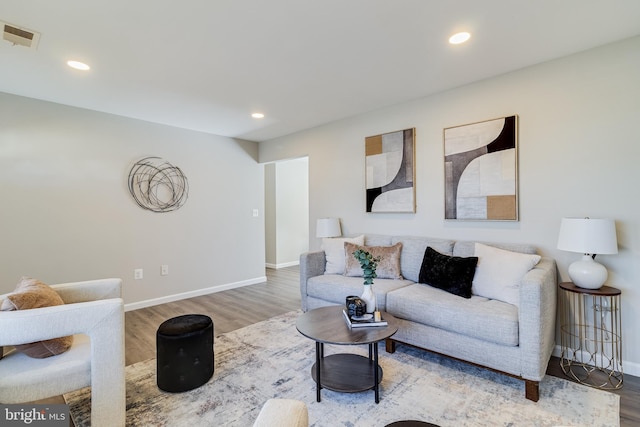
x: 411, y: 423
x: 328, y: 325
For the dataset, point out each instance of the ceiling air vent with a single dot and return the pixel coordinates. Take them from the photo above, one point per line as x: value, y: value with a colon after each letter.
x: 20, y: 36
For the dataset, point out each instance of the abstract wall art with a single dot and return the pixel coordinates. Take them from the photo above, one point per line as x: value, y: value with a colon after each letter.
x: 158, y: 186
x: 481, y: 171
x: 390, y: 172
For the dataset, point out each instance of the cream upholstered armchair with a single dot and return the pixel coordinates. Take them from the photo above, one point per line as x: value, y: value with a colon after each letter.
x: 93, y: 313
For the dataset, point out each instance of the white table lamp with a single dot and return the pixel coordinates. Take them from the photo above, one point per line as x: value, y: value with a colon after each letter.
x: 328, y: 227
x: 589, y: 236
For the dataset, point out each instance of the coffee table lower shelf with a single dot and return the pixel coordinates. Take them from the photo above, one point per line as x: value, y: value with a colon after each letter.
x: 346, y: 373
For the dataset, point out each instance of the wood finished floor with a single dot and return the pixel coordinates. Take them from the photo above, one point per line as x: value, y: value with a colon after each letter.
x: 236, y: 308
x: 229, y: 310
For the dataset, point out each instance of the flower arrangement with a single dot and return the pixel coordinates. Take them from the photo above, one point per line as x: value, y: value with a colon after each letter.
x: 368, y: 264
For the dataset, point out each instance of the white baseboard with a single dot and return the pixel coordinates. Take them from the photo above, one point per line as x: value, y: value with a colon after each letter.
x: 627, y: 367
x: 631, y: 368
x: 191, y: 294
x: 283, y: 265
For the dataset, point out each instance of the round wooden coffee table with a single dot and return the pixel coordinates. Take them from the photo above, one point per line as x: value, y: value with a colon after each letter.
x: 344, y: 372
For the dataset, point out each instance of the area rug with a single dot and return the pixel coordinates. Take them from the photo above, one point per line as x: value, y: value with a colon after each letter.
x: 271, y: 359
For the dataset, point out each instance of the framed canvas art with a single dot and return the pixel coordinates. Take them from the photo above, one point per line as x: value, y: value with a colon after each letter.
x: 481, y: 173
x: 390, y: 172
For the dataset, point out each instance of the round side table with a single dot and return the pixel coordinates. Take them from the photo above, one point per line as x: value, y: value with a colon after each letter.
x: 590, y: 335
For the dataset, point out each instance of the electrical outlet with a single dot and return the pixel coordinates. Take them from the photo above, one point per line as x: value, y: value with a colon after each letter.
x: 164, y: 270
x: 138, y: 274
x: 256, y: 213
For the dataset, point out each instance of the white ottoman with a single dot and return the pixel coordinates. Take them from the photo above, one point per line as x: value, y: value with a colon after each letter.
x: 283, y: 413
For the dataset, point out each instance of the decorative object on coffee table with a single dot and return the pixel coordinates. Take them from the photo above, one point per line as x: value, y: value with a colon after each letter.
x: 369, y: 298
x: 184, y: 346
x: 365, y: 321
x: 355, y: 306
x: 368, y: 264
x: 588, y: 236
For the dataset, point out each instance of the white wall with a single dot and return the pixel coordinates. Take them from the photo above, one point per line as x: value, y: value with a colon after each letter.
x: 271, y: 255
x: 579, y: 149
x: 292, y: 179
x: 67, y: 214
x: 287, y: 211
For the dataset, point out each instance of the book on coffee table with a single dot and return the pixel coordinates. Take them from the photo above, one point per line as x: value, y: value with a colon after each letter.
x: 362, y: 321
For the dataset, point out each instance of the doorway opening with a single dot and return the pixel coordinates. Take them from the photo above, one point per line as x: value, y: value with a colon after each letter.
x: 286, y: 211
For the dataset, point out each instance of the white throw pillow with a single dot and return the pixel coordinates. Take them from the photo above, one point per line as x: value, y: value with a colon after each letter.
x: 500, y: 272
x: 334, y: 252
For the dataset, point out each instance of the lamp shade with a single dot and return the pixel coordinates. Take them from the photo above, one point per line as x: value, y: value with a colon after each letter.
x: 588, y: 236
x: 328, y: 227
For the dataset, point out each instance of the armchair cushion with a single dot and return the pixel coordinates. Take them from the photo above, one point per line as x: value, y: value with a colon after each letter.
x: 29, y: 294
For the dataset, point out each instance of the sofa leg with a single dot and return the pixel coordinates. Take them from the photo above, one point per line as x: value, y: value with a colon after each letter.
x: 390, y: 345
x: 532, y: 390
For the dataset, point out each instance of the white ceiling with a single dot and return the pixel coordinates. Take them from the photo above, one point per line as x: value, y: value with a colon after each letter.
x: 208, y: 64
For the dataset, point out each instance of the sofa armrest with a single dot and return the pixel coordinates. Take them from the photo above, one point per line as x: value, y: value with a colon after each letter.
x: 537, y: 318
x: 311, y: 264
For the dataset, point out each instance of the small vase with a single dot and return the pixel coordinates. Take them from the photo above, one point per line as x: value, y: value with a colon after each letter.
x: 369, y: 298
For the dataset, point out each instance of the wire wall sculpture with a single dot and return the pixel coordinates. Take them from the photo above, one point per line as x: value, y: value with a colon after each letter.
x: 157, y: 185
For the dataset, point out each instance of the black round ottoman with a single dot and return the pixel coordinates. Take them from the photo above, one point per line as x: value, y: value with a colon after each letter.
x: 184, y: 348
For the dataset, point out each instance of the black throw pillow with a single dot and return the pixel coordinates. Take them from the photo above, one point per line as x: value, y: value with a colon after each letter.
x: 450, y: 273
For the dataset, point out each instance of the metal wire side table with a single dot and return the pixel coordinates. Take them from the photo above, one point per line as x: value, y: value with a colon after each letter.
x: 590, y: 335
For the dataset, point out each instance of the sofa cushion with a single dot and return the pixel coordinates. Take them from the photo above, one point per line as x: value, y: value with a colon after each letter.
x: 377, y: 240
x: 500, y: 272
x: 388, y: 264
x: 467, y: 248
x: 334, y: 252
x: 450, y: 273
x: 336, y: 288
x: 413, y: 252
x: 30, y: 294
x: 476, y: 317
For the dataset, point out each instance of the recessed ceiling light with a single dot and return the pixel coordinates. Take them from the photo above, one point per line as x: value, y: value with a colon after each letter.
x: 459, y: 38
x: 257, y: 116
x: 78, y: 65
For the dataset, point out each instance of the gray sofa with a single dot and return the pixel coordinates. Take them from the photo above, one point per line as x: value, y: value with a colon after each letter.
x: 514, y: 340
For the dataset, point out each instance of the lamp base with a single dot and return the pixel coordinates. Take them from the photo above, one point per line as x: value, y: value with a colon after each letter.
x: 587, y: 273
